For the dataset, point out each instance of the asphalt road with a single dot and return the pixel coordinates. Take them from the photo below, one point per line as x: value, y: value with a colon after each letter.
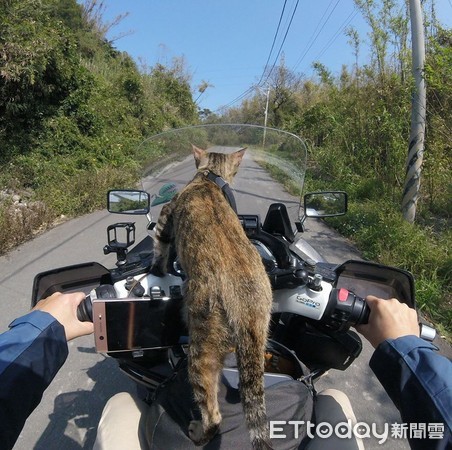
x: 71, y: 407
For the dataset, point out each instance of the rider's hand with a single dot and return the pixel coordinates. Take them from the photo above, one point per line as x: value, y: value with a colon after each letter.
x: 389, y: 319
x: 64, y: 308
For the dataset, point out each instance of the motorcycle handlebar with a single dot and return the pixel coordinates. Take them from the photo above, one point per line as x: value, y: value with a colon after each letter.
x: 344, y: 309
x: 353, y: 310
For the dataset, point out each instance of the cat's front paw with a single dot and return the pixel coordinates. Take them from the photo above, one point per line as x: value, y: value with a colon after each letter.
x: 198, y: 436
x: 157, y: 269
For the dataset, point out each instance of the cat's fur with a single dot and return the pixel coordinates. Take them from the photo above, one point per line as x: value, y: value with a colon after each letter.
x: 227, y: 292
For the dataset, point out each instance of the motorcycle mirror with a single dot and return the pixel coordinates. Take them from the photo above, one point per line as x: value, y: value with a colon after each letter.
x: 365, y: 278
x: 322, y: 204
x: 128, y: 201
x: 325, y: 204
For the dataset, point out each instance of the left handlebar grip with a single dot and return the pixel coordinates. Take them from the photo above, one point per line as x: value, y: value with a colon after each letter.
x: 85, y: 310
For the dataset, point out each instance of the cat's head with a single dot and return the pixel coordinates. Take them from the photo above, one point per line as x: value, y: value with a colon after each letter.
x: 221, y: 164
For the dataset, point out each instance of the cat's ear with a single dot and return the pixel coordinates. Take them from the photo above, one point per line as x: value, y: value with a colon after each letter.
x: 198, y: 153
x: 238, y: 155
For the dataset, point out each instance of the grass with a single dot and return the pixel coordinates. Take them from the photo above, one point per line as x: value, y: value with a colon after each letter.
x: 62, y: 195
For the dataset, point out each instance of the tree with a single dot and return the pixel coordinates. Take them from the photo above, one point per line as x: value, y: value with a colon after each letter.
x: 437, y: 189
x: 39, y: 67
x: 355, y: 42
x: 204, y: 85
x: 173, y: 93
x: 283, y: 84
x: 69, y: 12
x: 93, y: 17
x: 378, y: 22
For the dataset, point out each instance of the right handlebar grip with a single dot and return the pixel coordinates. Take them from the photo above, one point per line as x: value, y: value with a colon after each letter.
x: 364, y: 318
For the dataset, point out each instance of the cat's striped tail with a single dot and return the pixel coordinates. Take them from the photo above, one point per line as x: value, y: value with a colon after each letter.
x: 250, y: 361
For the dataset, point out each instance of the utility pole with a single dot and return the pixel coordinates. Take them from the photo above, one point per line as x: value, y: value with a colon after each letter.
x: 265, y: 111
x: 418, y: 110
x: 266, y: 115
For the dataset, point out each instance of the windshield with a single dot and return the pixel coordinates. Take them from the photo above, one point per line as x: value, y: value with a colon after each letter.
x: 272, y: 170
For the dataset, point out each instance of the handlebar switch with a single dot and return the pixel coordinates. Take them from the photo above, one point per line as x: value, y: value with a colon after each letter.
x: 157, y: 293
x: 345, y: 309
x: 175, y: 291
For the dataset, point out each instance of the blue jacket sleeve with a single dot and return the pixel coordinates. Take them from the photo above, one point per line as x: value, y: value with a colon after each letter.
x: 419, y: 382
x: 31, y: 353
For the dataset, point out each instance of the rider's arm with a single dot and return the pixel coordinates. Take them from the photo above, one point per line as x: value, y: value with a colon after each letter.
x: 418, y: 380
x: 31, y: 353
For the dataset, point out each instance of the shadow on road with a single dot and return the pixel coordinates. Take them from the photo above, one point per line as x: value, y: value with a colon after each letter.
x: 75, y: 416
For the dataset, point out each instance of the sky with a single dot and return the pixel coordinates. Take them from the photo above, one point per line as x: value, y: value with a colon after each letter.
x: 229, y: 43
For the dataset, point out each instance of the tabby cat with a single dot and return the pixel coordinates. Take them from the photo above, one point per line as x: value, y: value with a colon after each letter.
x: 227, y: 293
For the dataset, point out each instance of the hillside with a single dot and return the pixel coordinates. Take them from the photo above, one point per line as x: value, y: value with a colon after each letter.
x: 72, y: 111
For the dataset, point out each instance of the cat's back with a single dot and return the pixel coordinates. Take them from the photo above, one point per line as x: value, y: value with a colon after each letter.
x: 202, y: 202
x: 208, y: 230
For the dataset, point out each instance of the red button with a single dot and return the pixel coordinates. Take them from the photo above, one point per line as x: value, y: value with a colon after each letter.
x: 342, y: 295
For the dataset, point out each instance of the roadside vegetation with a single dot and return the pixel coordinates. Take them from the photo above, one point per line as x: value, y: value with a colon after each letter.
x: 73, y: 109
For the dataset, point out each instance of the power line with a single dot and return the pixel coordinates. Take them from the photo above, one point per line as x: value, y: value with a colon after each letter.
x: 251, y: 89
x: 274, y: 41
x: 314, y: 38
x: 282, y: 44
x: 240, y: 97
x: 344, y: 24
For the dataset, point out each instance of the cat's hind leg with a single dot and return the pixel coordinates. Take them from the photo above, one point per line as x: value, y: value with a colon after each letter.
x: 163, y: 239
x: 206, y: 355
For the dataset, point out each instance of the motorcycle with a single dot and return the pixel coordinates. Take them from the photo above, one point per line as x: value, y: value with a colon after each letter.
x: 314, y: 302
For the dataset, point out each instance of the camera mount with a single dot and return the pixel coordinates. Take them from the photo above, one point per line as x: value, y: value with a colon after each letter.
x: 115, y: 245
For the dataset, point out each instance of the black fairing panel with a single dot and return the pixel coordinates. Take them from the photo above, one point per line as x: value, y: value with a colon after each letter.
x: 277, y: 221
x: 79, y: 277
